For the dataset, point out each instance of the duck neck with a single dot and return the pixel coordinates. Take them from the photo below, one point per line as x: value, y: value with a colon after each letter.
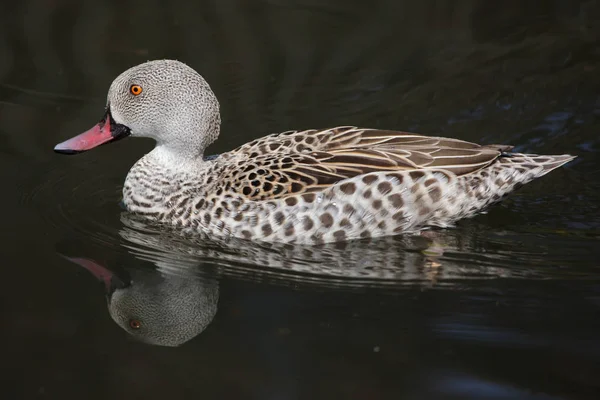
x: 176, y: 159
x: 178, y: 148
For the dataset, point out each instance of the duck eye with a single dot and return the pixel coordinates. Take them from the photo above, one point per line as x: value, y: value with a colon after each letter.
x: 135, y: 324
x: 135, y: 90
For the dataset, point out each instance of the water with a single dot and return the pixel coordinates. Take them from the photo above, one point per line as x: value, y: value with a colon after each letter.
x: 506, y: 305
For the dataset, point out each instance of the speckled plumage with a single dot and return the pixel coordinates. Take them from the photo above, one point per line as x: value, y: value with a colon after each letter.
x: 307, y: 187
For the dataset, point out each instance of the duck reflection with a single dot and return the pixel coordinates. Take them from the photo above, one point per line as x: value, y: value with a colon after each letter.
x: 175, y: 299
x: 157, y: 308
x: 375, y: 263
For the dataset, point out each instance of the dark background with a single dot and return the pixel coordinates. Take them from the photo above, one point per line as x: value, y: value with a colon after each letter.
x: 515, y: 313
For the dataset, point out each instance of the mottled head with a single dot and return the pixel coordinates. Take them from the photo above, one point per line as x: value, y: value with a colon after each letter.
x: 165, y: 100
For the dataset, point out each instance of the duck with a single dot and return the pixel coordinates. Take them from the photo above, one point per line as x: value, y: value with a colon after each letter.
x: 308, y: 187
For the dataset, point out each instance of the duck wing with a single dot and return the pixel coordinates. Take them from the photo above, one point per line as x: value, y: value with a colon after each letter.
x: 295, y: 162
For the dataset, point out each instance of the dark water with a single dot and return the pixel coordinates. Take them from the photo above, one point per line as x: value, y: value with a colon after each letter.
x: 507, y: 305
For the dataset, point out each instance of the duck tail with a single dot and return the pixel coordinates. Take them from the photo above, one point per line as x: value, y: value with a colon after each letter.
x: 513, y: 170
x: 507, y: 174
x: 527, y: 167
x: 557, y: 161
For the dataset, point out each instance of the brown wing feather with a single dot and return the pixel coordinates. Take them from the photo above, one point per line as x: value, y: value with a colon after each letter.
x: 293, y: 162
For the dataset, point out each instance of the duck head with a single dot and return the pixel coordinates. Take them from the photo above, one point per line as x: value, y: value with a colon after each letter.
x: 156, y: 308
x: 165, y: 100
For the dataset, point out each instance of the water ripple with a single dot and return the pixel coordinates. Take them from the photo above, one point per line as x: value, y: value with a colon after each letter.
x: 68, y: 204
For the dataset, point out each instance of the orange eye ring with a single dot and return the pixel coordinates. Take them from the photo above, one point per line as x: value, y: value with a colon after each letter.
x: 135, y: 324
x: 135, y: 90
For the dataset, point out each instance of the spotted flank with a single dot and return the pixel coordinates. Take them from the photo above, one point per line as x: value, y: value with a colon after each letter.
x: 308, y: 187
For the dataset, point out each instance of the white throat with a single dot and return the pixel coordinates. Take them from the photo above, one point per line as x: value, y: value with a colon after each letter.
x: 176, y: 160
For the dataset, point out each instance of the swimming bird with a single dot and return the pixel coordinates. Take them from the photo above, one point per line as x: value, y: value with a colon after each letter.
x: 305, y: 186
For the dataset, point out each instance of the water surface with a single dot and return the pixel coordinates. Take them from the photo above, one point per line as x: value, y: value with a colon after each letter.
x: 504, y: 306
